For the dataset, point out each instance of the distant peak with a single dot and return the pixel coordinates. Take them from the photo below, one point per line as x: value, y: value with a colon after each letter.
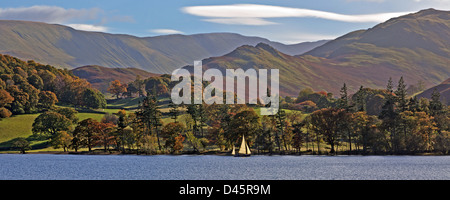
x: 267, y: 48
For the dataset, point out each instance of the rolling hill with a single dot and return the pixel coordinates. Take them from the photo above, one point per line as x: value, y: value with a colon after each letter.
x: 66, y: 47
x: 100, y: 77
x: 443, y: 88
x: 415, y: 46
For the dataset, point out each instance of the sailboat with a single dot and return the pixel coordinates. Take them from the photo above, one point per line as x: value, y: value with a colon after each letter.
x: 244, y: 150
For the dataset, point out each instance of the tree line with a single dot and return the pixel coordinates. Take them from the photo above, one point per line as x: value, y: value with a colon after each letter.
x: 403, y: 126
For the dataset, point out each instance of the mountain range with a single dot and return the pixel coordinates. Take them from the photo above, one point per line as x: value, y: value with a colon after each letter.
x: 69, y: 48
x: 415, y: 46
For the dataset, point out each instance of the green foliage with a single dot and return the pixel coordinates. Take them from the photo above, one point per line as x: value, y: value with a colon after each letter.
x: 49, y: 123
x: 21, y: 144
x: 93, y: 98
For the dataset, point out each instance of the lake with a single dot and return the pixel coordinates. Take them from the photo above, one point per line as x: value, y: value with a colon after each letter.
x: 209, y: 167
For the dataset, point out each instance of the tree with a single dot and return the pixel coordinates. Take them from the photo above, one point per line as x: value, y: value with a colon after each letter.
x: 442, y: 142
x: 417, y: 128
x: 299, y: 136
x: 361, y: 99
x: 171, y: 131
x: 117, y: 88
x: 5, y: 98
x: 103, y: 134
x: 47, y: 99
x: 62, y: 140
x: 84, y: 133
x: 5, y: 113
x: 92, y: 98
x: 343, y: 100
x: 246, y: 123
x: 389, y: 115
x: 122, y: 123
x: 178, y: 146
x: 436, y: 105
x: 21, y: 144
x: 326, y: 123
x: 281, y: 124
x: 401, y: 95
x: 173, y: 112
x: 36, y: 81
x: 49, y: 123
x: 150, y: 116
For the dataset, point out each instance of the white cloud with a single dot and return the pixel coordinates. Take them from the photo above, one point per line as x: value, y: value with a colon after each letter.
x: 88, y: 27
x: 166, y: 31
x: 232, y: 13
x: 240, y: 21
x: 49, y: 14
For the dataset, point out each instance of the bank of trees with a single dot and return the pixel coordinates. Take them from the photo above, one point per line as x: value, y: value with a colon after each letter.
x: 30, y: 87
x: 368, y: 122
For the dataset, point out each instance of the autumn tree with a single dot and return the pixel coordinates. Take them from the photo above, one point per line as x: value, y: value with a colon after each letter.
x: 116, y: 88
x: 103, y: 134
x: 84, y: 134
x: 47, y: 99
x: 62, y: 140
x: 326, y: 123
x: 5, y: 98
x: 171, y: 132
x: 178, y: 146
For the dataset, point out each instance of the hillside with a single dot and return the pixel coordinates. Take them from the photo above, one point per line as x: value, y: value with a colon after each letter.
x: 417, y: 45
x: 443, y: 88
x: 66, y: 47
x: 30, y: 87
x: 100, y: 77
x: 365, y: 57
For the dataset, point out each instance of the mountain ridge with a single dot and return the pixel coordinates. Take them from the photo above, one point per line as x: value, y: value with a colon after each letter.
x: 64, y: 46
x: 357, y: 58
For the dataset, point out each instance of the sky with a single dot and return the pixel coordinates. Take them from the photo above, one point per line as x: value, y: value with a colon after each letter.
x: 286, y: 21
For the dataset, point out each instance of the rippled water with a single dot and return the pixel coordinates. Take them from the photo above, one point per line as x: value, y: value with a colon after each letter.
x: 130, y: 167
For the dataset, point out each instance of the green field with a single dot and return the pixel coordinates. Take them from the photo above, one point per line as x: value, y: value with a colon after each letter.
x: 21, y: 125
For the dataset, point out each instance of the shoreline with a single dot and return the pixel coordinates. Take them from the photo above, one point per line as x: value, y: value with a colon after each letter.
x: 213, y: 153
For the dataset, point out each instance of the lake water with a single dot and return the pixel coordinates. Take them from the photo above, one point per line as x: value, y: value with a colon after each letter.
x: 206, y: 167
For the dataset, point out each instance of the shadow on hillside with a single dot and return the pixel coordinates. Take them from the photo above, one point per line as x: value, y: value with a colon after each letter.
x: 36, y: 142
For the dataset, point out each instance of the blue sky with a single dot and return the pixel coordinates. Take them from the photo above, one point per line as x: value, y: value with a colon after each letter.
x: 287, y: 21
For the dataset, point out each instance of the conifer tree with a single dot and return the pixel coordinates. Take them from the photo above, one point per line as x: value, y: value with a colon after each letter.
x: 343, y: 101
x: 435, y: 103
x: 173, y: 112
x: 401, y: 95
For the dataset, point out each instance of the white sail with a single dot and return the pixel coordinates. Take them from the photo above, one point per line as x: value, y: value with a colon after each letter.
x: 233, y: 152
x: 244, y: 149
